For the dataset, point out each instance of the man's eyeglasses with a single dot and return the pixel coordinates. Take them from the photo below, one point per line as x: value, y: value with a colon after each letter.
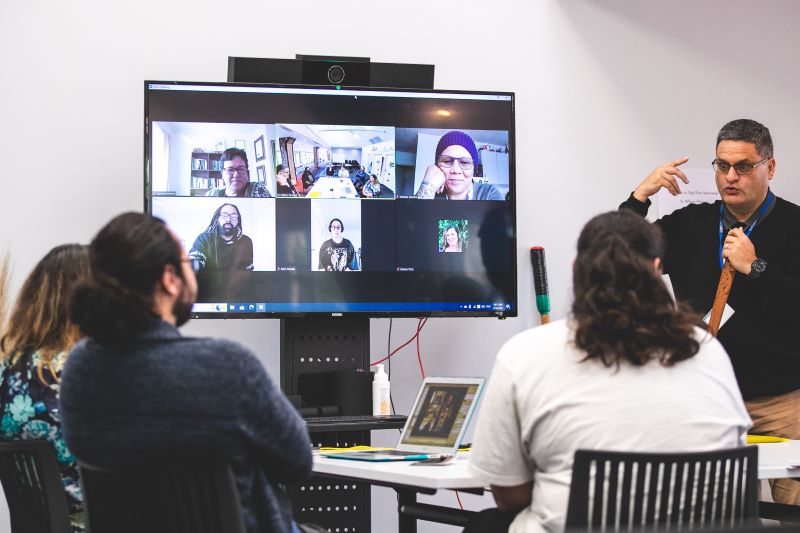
x: 742, y: 169
x: 465, y: 163
x: 239, y: 170
x: 225, y: 217
x: 335, y: 226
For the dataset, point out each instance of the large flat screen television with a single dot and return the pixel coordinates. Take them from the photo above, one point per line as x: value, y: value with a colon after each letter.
x: 294, y: 200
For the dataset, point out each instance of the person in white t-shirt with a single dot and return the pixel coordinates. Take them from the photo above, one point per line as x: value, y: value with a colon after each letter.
x: 628, y: 371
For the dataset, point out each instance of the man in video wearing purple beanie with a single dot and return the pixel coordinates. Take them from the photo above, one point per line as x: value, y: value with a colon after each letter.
x: 451, y: 177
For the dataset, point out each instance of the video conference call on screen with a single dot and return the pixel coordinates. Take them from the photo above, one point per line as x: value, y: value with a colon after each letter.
x: 299, y: 200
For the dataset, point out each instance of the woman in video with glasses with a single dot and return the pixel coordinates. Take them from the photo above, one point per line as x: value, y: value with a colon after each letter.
x: 236, y: 176
x: 627, y: 371
x: 34, y: 348
x: 450, y: 177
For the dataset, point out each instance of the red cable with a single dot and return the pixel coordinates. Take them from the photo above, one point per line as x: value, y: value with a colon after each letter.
x: 409, y: 341
x: 459, y: 500
x: 420, y: 325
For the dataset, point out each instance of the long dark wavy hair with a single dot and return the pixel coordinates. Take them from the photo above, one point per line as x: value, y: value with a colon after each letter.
x: 213, y: 226
x: 622, y: 310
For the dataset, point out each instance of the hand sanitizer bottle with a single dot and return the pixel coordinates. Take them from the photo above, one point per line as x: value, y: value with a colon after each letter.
x: 381, y: 405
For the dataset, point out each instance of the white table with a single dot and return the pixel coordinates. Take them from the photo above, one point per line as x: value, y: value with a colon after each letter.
x: 779, y: 460
x: 775, y: 460
x: 327, y: 187
x: 453, y: 476
x: 408, y: 480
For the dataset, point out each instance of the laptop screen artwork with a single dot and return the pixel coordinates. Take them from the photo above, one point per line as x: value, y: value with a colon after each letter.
x: 440, y: 414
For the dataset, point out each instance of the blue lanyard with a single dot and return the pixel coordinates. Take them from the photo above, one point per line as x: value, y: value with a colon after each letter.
x: 770, y: 199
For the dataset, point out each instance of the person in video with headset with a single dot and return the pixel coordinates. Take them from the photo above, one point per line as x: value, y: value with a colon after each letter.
x: 450, y: 177
x: 628, y: 370
x: 337, y: 253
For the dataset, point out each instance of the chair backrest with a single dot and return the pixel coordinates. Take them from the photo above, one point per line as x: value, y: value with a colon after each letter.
x: 155, y: 499
x: 621, y: 491
x: 33, y: 487
x: 750, y: 527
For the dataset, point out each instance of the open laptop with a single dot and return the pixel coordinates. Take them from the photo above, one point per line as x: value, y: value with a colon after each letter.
x: 437, y: 423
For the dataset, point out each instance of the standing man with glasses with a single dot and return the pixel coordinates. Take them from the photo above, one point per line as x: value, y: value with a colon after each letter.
x: 450, y: 178
x: 222, y: 245
x: 759, y: 234
x: 236, y: 176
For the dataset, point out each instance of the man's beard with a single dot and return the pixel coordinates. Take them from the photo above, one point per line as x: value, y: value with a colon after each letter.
x: 182, y: 308
x: 227, y: 230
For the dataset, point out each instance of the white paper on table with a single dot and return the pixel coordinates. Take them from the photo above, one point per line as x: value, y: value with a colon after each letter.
x: 726, y: 314
x: 701, y: 188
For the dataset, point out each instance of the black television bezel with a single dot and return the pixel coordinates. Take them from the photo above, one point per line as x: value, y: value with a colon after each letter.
x: 469, y: 313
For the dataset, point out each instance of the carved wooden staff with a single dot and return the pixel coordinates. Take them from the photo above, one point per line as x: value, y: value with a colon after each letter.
x: 721, y: 298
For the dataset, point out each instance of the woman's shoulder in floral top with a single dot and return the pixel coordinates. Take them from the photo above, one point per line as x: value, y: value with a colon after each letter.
x: 29, y: 388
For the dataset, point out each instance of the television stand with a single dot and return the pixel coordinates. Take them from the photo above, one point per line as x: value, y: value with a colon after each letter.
x: 326, y: 359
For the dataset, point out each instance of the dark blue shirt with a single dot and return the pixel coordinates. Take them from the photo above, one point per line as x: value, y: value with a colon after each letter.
x: 168, y: 397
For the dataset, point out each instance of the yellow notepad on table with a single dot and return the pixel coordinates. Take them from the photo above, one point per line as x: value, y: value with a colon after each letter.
x: 763, y: 439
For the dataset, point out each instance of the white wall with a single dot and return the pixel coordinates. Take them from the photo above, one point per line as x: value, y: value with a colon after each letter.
x: 606, y: 90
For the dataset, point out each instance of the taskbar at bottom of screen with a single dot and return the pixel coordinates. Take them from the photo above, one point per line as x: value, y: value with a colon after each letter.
x: 361, y: 307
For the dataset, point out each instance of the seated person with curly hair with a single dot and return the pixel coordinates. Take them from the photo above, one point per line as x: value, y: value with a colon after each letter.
x: 627, y: 371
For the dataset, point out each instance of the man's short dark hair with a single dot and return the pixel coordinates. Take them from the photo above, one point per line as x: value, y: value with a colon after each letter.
x: 230, y: 153
x: 335, y: 220
x: 279, y: 168
x: 750, y: 131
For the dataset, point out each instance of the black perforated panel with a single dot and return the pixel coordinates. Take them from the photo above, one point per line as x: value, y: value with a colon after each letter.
x: 342, y: 506
x: 317, y: 355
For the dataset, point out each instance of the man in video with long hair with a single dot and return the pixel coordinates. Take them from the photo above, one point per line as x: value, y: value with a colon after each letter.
x: 223, y: 245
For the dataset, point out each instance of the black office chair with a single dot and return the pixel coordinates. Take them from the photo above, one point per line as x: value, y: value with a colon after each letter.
x: 174, y: 499
x: 749, y: 527
x: 621, y: 491
x: 33, y: 487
